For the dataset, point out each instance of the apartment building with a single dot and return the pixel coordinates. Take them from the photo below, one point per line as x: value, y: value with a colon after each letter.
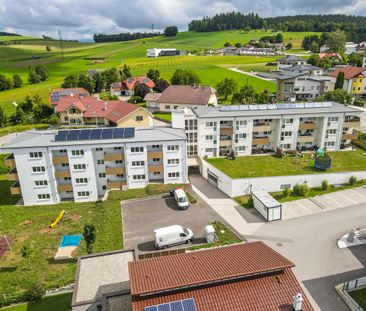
x: 261, y: 129
x: 81, y: 165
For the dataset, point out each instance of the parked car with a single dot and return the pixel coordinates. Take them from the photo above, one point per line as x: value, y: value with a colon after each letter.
x: 172, y: 235
x: 180, y: 197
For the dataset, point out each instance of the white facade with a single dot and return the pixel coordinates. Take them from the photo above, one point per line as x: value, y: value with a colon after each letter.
x: 218, y: 131
x: 84, y: 171
x: 156, y: 52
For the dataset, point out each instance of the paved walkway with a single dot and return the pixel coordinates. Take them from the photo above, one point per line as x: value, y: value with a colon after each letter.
x: 227, y: 208
x: 252, y: 74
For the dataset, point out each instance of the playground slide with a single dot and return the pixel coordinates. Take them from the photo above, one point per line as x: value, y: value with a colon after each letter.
x: 59, y: 217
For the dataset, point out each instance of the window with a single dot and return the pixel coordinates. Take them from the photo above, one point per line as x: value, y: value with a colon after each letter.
x: 209, y: 137
x: 240, y: 136
x: 139, y: 118
x: 192, y: 150
x: 99, y: 149
x: 209, y: 150
x: 155, y: 147
x: 241, y: 123
x: 173, y: 175
x: 176, y: 107
x: 156, y: 159
x: 120, y: 175
x: 190, y: 125
x: 117, y: 148
x: 40, y: 183
x: 100, y: 161
x: 83, y: 194
x: 138, y: 163
x: 77, y: 152
x: 285, y: 146
x: 333, y: 119
x: 119, y: 161
x: 329, y: 144
x: 138, y: 177
x: 240, y: 148
x: 192, y: 137
x: 65, y: 164
x: 331, y: 132
x: 286, y: 134
x: 104, y: 187
x: 288, y: 121
x: 288, y: 87
x: 79, y: 167
x: 173, y: 148
x: 35, y: 155
x: 157, y: 173
x: 67, y: 178
x: 211, y: 124
x: 63, y: 151
x: 137, y: 149
x: 38, y: 169
x: 173, y: 161
x: 167, y: 106
x: 43, y: 196
x: 81, y: 180
x: 101, y: 175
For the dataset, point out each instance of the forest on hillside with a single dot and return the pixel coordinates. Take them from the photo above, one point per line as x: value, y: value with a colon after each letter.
x: 353, y: 26
x: 124, y: 36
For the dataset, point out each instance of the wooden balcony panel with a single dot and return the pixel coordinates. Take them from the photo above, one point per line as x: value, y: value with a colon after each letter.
x: 13, y: 175
x: 226, y: 130
x: 114, y: 157
x: 115, y: 170
x: 15, y: 188
x: 115, y: 184
x: 225, y: 143
x: 64, y: 187
x: 306, y: 126
x: 260, y: 141
x: 156, y: 168
x: 353, y: 124
x: 9, y: 161
x: 60, y: 159
x: 352, y: 136
x: 262, y: 128
x: 62, y: 174
x: 154, y: 154
x: 306, y: 139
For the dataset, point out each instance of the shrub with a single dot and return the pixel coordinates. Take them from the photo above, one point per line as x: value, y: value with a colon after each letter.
x: 35, y: 292
x: 302, y: 189
x: 325, y: 185
x: 250, y: 202
x: 352, y: 180
x: 286, y: 192
x: 89, y: 237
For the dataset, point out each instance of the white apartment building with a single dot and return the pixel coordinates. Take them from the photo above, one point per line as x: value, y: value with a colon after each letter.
x: 81, y: 165
x: 261, y: 129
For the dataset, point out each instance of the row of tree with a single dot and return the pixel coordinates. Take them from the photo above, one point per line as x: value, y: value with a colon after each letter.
x: 124, y: 36
x: 7, y: 83
x: 38, y: 74
x: 335, y: 42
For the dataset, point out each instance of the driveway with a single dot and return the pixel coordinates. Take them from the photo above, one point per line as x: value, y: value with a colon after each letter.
x: 141, y: 217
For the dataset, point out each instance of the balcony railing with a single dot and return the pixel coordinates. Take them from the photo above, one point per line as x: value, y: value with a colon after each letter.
x: 304, y: 126
x: 15, y: 188
x: 13, y: 174
x: 64, y: 187
x: 115, y: 170
x: 155, y: 168
x: 115, y: 184
x: 154, y: 154
x: 9, y: 160
x: 305, y: 139
x: 260, y: 141
x: 114, y: 156
x: 62, y: 174
x: 351, y: 136
x: 262, y: 127
x: 60, y: 159
x: 352, y: 124
x: 225, y: 143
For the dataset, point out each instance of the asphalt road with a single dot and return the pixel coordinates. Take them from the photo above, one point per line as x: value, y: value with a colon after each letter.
x: 310, y: 242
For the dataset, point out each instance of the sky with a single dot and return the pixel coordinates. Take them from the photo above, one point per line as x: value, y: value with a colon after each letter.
x: 79, y: 19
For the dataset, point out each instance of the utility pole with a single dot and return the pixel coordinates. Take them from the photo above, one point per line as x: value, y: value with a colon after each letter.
x: 61, y: 44
x: 152, y: 28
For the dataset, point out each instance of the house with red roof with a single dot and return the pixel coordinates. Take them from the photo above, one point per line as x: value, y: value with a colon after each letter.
x: 127, y: 87
x: 92, y: 111
x: 354, y: 79
x: 57, y: 94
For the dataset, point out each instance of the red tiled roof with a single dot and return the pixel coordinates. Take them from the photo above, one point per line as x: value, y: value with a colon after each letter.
x: 113, y: 110
x: 349, y: 72
x: 172, y: 272
x: 329, y: 55
x: 56, y: 94
x: 130, y: 82
x: 186, y: 94
x: 270, y: 292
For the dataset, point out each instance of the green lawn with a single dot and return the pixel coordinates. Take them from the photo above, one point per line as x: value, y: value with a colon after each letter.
x: 21, y: 127
x: 60, y: 303
x: 164, y: 116
x: 360, y: 297
x: 261, y: 166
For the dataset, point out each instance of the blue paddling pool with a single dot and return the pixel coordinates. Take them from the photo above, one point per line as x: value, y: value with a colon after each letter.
x: 71, y: 240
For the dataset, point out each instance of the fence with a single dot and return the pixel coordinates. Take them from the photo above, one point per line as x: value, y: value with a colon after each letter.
x: 343, y: 290
x: 162, y: 253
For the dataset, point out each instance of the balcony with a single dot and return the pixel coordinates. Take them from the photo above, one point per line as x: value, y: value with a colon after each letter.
x: 226, y: 143
x: 60, y: 159
x: 155, y: 168
x: 260, y: 141
x: 62, y: 174
x: 15, y: 188
x: 64, y: 187
x: 352, y: 124
x: 262, y: 127
x: 115, y: 184
x: 225, y: 129
x: 305, y: 139
x: 13, y: 174
x: 9, y: 160
x: 115, y: 170
x: 114, y: 157
x: 154, y: 154
x: 305, y: 126
x: 352, y: 136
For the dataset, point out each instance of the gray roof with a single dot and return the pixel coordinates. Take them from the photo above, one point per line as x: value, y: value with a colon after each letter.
x: 290, y: 75
x: 306, y: 67
x: 34, y: 138
x: 273, y: 110
x: 291, y: 58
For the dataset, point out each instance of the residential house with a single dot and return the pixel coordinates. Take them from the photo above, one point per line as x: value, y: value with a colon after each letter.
x: 290, y: 61
x: 334, y: 57
x: 57, y: 94
x: 50, y: 167
x: 349, y: 48
x: 307, y: 68
x: 230, y: 278
x: 354, y: 79
x: 91, y: 111
x: 180, y: 96
x: 152, y: 100
x: 127, y: 87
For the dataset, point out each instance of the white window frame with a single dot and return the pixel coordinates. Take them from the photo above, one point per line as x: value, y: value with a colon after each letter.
x: 82, y: 167
x: 42, y: 169
x: 43, y: 197
x: 35, y: 155
x: 83, y: 194
x: 139, y: 149
x: 172, y: 148
x: 41, y: 183
x: 138, y: 163
x: 77, y: 153
x: 81, y: 181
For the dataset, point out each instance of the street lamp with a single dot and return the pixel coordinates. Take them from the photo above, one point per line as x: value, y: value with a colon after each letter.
x: 250, y: 185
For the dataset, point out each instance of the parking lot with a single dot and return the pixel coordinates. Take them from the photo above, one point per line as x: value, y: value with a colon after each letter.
x: 141, y: 217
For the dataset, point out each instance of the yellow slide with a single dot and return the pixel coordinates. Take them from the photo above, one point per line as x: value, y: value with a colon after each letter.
x: 59, y: 217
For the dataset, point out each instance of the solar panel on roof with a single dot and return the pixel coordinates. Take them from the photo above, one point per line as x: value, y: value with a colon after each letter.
x: 118, y: 132
x: 73, y: 135
x: 164, y: 307
x: 176, y: 306
x: 253, y: 107
x: 179, y: 305
x: 129, y: 132
x: 84, y: 135
x: 225, y: 108
x: 300, y: 105
x: 327, y: 104
x: 309, y: 105
x: 272, y: 106
x: 243, y: 107
x: 234, y: 108
x: 262, y: 107
x: 153, y: 308
x: 60, y: 137
x: 95, y: 134
x: 189, y: 305
x: 107, y: 133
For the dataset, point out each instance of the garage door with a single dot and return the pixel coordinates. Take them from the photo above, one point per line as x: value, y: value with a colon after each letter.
x: 212, y: 179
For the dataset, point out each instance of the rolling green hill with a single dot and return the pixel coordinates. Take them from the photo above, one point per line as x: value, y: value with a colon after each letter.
x: 17, y: 59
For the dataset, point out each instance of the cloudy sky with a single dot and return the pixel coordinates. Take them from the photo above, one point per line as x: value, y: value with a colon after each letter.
x: 82, y: 18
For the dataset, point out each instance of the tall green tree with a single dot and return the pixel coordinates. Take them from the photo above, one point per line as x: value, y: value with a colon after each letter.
x: 171, y: 31
x: 86, y: 82
x: 4, y: 83
x: 337, y: 41
x: 89, y: 237
x: 99, y: 82
x: 339, y: 96
x: 355, y: 59
x: 127, y: 71
x: 70, y: 81
x: 17, y: 81
x: 42, y: 71
x: 314, y: 47
x: 226, y: 87
x: 111, y: 75
x: 3, y: 119
x: 246, y: 95
x: 33, y: 77
x: 340, y: 81
x: 153, y: 74
x: 185, y: 77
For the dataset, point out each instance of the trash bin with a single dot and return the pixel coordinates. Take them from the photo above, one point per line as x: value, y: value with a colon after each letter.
x: 210, y: 233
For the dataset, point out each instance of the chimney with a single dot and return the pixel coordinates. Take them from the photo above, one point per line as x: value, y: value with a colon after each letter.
x: 105, y: 106
x: 297, y: 302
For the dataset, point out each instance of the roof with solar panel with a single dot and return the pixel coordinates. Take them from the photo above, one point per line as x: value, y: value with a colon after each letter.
x: 51, y: 138
x: 273, y: 109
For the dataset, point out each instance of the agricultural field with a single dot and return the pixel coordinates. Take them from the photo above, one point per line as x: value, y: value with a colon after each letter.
x: 18, y: 56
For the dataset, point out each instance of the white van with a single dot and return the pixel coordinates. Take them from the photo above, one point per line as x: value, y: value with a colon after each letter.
x: 172, y: 235
x: 181, y: 198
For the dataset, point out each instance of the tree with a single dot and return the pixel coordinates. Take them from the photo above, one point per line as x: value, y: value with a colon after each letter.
x: 185, y: 77
x: 5, y: 83
x: 161, y: 85
x: 42, y: 72
x: 86, y: 82
x: 41, y: 110
x: 238, y: 45
x: 339, y: 96
x: 314, y: 47
x: 227, y: 44
x: 153, y: 74
x: 18, y: 116
x: 314, y: 60
x: 70, y: 81
x: 17, y: 81
x: 247, y: 29
x: 289, y: 46
x: 111, y: 75
x: 226, y: 87
x: 355, y: 59
x: 171, y: 31
x: 48, y: 48
x: 3, y: 119
x: 246, y: 95
x: 262, y: 98
x: 33, y: 78
x: 141, y: 90
x: 337, y: 41
x: 126, y: 71
x: 279, y: 38
x: 89, y: 237
x: 99, y: 82
x: 340, y: 81
x: 54, y: 120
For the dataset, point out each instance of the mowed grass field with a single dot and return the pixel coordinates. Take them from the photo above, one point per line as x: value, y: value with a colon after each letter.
x: 17, y: 58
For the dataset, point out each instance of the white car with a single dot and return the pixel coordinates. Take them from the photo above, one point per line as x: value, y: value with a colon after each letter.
x: 172, y: 235
x: 180, y: 197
